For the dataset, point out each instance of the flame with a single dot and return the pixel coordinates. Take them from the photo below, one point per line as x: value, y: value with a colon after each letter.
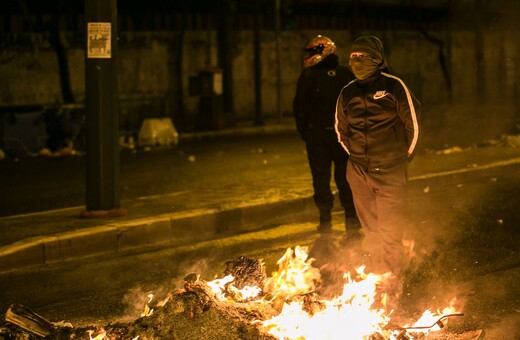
x: 350, y: 313
x: 354, y: 314
x: 218, y: 286
x: 429, y: 318
x: 147, y: 310
x: 295, y: 275
x: 246, y: 293
x: 224, y: 286
x: 100, y: 336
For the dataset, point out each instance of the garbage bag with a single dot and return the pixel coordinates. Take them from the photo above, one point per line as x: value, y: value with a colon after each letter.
x: 158, y: 131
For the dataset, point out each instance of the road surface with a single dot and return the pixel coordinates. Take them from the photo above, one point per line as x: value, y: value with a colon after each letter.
x: 466, y: 245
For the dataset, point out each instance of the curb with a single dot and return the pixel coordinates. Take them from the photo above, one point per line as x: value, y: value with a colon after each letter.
x: 173, y: 229
x: 150, y: 233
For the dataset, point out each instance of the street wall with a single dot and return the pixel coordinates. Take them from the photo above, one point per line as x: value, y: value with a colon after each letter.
x: 149, y: 64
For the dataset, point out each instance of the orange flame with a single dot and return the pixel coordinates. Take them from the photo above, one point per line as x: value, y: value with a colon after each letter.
x: 218, y: 287
x: 295, y: 275
x: 430, y: 318
x: 351, y: 315
x: 100, y: 336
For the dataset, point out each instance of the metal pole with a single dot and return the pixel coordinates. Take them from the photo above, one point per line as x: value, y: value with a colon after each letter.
x: 278, y: 62
x: 101, y: 107
x: 258, y: 121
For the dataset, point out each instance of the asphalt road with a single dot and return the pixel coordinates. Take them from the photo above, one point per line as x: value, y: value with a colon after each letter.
x: 467, y: 245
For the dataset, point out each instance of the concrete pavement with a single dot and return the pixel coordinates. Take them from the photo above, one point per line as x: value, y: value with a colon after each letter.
x: 52, y: 236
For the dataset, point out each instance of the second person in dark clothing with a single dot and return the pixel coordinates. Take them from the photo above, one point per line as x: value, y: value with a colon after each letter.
x: 314, y: 108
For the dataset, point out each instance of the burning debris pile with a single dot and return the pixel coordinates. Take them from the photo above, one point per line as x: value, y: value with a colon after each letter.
x: 246, y: 304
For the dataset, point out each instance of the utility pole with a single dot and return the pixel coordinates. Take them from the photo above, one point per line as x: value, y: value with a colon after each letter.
x: 259, y: 120
x: 277, y: 9
x: 102, y: 109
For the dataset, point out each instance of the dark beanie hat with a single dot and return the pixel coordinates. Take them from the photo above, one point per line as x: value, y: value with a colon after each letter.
x: 370, y: 45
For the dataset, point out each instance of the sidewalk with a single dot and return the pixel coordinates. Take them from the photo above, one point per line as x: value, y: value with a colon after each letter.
x: 59, y: 235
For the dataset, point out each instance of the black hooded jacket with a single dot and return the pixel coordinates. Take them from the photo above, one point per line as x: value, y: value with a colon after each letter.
x: 317, y: 90
x: 378, y: 121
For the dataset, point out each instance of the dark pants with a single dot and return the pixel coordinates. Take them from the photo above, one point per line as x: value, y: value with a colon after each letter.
x: 380, y: 200
x: 323, y: 151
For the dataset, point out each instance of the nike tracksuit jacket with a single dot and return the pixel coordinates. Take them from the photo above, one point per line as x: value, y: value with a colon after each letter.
x: 377, y: 121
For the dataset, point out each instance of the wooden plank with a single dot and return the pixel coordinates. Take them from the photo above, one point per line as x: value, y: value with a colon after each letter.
x: 28, y: 320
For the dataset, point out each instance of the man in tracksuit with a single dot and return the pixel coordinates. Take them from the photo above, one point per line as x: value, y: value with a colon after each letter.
x: 378, y: 125
x: 314, y: 107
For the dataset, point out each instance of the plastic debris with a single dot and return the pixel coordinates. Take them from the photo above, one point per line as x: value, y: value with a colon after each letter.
x: 158, y: 131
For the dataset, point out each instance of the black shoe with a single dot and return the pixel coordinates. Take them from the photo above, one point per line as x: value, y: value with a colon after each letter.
x: 325, y: 225
x: 324, y: 228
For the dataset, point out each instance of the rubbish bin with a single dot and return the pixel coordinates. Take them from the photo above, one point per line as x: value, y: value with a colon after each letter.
x: 211, y: 106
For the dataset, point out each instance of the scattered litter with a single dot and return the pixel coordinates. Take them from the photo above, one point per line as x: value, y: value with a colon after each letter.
x: 489, y: 142
x: 127, y: 142
x: 158, y: 131
x: 427, y: 189
x: 455, y: 149
x: 46, y: 152
x: 63, y: 324
x: 460, y: 185
x: 511, y: 140
x: 500, y: 221
x: 65, y: 151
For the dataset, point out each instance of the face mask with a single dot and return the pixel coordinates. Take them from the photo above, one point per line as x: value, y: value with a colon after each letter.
x: 363, y: 67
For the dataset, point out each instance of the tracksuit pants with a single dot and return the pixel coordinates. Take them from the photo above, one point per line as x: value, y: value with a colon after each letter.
x: 380, y: 201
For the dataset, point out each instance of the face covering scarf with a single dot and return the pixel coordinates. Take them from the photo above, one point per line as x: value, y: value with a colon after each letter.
x: 364, y: 67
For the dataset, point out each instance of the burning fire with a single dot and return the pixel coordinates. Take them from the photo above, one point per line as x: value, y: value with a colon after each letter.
x: 350, y: 313
x: 219, y: 288
x: 100, y: 336
x: 147, y: 310
x: 296, y: 276
x: 354, y: 314
x: 431, y: 322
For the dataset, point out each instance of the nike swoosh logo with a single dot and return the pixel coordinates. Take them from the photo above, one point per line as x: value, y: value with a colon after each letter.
x: 380, y: 94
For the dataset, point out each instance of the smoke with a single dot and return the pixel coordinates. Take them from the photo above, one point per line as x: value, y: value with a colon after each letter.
x: 137, y: 298
x: 135, y: 301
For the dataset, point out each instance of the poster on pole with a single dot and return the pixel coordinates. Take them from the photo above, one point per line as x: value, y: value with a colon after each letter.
x: 99, y: 40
